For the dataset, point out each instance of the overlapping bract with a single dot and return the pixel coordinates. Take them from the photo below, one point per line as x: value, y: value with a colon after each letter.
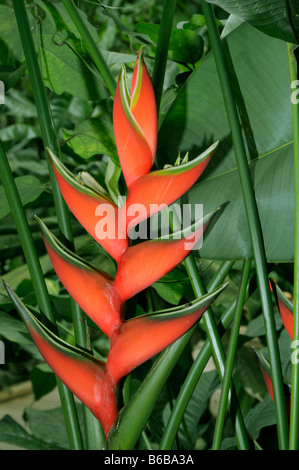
x: 285, y: 309
x: 102, y: 298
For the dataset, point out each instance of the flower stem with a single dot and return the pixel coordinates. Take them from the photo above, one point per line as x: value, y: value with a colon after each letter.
x: 218, y: 351
x: 196, y: 370
x: 162, y: 48
x: 230, y: 357
x: 253, y: 222
x: 294, y: 414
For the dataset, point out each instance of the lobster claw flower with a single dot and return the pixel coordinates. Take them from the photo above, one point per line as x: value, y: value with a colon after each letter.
x: 137, y: 340
x: 92, y: 289
x: 93, y: 210
x: 285, y: 308
x: 156, y: 258
x: 266, y: 373
x: 83, y: 374
x: 265, y: 370
x: 135, y: 122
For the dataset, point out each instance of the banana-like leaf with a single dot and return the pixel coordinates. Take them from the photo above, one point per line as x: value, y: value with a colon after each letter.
x: 98, y: 214
x: 198, y: 116
x: 83, y: 374
x: 273, y: 17
x: 138, y: 339
x: 91, y: 288
x: 145, y: 263
x: 161, y: 188
x: 135, y: 123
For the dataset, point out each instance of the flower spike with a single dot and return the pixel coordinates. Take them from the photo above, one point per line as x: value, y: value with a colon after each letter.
x: 91, y: 288
x: 156, y: 258
x: 139, y: 339
x: 83, y: 374
x: 163, y: 187
x: 135, y: 123
x: 93, y: 210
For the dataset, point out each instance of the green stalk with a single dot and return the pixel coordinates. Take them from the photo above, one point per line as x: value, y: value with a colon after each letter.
x: 218, y: 351
x: 40, y: 289
x: 50, y: 140
x: 294, y: 415
x: 139, y: 408
x: 190, y: 383
x: 213, y: 334
x: 24, y: 233
x: 253, y: 222
x: 91, y: 46
x: 230, y: 358
x: 162, y: 48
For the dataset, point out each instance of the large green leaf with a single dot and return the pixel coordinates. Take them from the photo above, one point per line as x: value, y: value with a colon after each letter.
x: 66, y: 65
x: 12, y: 433
x: 10, y: 43
x: 93, y: 136
x: 278, y: 18
x: 198, y: 117
x: 272, y: 175
x: 29, y: 187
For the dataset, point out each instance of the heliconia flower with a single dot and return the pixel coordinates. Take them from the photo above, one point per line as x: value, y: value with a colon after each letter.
x: 90, y: 207
x: 92, y: 289
x: 161, y: 188
x: 83, y: 374
x: 135, y: 122
x: 266, y: 372
x: 137, y: 340
x: 285, y: 308
x: 143, y: 264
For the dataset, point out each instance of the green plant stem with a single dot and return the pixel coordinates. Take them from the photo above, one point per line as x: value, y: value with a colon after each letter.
x: 138, y: 409
x: 91, y: 46
x: 162, y: 48
x: 230, y: 358
x: 24, y: 233
x: 193, y: 376
x: 50, y: 140
x: 253, y: 223
x: 294, y: 414
x: 218, y: 351
x: 40, y: 288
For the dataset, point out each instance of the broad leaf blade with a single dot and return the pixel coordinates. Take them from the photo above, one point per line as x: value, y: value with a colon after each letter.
x: 273, y: 17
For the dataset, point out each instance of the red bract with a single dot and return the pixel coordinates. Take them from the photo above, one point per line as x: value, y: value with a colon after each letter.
x: 158, y: 189
x: 138, y: 266
x: 157, y: 258
x: 92, y: 289
x: 90, y: 207
x: 83, y: 374
x: 265, y: 370
x: 138, y: 339
x: 135, y: 123
x: 285, y: 308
